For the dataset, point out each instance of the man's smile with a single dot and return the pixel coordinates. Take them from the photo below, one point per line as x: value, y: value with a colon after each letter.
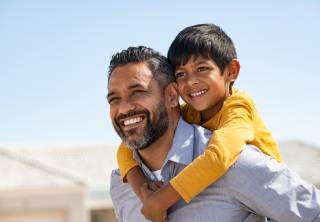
x: 132, y: 121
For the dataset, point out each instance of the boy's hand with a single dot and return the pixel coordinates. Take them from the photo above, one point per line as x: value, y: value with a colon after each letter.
x: 154, y: 185
x: 151, y: 209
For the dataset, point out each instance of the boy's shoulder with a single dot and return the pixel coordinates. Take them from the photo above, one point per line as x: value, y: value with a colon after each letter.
x: 239, y: 97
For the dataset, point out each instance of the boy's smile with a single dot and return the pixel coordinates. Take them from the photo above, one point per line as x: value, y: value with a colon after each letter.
x: 202, y: 85
x: 196, y: 94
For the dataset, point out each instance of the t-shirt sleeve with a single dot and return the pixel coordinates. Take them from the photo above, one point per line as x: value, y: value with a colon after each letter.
x: 125, y: 160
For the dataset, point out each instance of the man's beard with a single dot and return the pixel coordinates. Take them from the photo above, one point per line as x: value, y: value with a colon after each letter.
x: 151, y: 132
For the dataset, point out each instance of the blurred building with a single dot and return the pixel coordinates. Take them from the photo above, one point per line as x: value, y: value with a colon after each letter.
x: 70, y: 184
x: 57, y: 184
x: 303, y: 158
x: 34, y: 191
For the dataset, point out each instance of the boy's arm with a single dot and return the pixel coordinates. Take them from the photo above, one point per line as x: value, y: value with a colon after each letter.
x: 234, y: 131
x: 136, y: 179
x: 129, y: 169
x: 234, y: 128
x: 125, y: 161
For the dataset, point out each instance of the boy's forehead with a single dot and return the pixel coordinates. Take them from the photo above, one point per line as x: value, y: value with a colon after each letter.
x: 196, y: 59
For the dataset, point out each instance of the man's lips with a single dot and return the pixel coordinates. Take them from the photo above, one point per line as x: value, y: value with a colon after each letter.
x: 199, y: 93
x: 131, y: 121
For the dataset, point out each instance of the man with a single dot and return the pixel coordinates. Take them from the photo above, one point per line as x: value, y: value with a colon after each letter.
x: 145, y: 113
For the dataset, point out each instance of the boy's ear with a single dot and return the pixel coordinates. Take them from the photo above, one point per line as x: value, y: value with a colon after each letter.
x: 172, y: 94
x: 233, y: 70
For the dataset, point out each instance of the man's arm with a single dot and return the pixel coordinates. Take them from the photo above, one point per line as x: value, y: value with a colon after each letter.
x: 271, y: 189
x: 125, y: 202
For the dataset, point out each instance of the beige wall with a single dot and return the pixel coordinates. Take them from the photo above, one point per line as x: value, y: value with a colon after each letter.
x: 34, y: 216
x: 65, y: 204
x: 103, y: 215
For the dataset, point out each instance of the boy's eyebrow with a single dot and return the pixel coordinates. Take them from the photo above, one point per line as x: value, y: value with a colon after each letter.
x: 201, y: 60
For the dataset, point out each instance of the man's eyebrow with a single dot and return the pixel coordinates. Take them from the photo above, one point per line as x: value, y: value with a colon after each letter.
x: 137, y: 85
x: 133, y: 86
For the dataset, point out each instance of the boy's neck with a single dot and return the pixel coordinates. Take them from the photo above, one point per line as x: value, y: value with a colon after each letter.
x: 209, y: 113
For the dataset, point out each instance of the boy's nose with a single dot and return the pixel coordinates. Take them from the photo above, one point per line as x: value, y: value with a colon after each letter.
x: 193, y: 80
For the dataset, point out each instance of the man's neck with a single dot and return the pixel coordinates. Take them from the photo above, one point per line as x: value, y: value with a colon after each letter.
x: 155, y: 154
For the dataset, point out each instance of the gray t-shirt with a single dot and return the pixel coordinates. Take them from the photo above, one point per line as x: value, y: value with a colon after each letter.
x: 254, y: 188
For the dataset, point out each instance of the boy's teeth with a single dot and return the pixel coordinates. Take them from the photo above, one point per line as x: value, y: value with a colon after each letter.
x: 132, y: 121
x: 198, y: 93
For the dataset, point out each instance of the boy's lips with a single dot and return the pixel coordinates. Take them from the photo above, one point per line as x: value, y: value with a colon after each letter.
x: 198, y: 93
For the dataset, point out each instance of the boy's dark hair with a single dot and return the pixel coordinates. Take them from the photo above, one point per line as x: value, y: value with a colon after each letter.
x: 159, y: 65
x: 206, y: 40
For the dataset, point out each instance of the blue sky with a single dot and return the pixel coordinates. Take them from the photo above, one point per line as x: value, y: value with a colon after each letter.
x: 54, y: 58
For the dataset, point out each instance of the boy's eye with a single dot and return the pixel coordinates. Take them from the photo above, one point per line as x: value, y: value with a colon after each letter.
x: 179, y: 74
x: 202, y: 69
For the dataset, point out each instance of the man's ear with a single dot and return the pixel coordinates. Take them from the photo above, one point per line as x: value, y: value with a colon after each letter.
x: 172, y: 94
x: 233, y: 70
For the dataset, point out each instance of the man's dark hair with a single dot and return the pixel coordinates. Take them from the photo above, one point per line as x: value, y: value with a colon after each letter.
x: 159, y: 65
x: 206, y: 40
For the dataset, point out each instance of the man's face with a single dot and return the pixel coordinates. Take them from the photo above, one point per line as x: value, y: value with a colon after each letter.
x: 137, y: 108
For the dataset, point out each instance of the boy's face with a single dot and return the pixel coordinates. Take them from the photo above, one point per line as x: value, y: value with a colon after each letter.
x: 202, y: 85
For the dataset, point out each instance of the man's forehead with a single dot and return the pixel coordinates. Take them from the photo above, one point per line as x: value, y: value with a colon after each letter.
x: 132, y: 73
x: 132, y: 70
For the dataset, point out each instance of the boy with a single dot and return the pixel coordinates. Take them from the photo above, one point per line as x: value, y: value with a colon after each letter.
x: 206, y: 67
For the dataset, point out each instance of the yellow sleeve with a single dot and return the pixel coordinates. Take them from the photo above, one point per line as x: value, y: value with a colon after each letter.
x: 125, y: 161
x: 235, y: 128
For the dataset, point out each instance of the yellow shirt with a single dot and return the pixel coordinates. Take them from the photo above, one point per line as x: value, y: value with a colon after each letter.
x: 236, y: 124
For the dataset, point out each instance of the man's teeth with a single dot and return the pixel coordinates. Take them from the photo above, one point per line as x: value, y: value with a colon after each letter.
x: 132, y: 121
x: 198, y: 93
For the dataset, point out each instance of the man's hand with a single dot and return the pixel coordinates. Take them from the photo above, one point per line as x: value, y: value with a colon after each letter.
x: 151, y: 208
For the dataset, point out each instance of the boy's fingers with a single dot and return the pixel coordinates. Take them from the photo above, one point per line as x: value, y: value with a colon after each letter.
x: 153, y: 186
x: 159, y: 184
x: 144, y: 190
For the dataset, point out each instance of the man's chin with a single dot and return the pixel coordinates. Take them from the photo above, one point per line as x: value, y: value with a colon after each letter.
x: 135, y: 144
x: 133, y: 140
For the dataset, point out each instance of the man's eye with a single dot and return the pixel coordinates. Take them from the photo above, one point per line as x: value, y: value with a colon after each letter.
x: 138, y: 92
x: 113, y: 100
x: 179, y: 74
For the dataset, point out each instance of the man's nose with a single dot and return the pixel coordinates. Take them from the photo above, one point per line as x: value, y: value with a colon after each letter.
x: 125, y: 106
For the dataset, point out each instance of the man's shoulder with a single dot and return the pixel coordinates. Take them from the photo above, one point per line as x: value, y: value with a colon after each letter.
x: 201, y: 138
x: 115, y: 182
x: 118, y: 189
x: 252, y: 160
x: 239, y: 98
x: 253, y: 168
